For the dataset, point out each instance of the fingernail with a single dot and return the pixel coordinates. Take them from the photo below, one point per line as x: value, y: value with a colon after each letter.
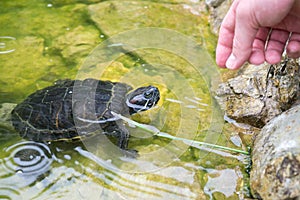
x: 231, y: 61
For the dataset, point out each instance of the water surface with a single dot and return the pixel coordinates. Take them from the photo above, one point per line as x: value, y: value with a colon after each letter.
x: 44, y: 41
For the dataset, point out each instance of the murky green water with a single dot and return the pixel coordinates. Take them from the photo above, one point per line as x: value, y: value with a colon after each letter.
x: 42, y: 41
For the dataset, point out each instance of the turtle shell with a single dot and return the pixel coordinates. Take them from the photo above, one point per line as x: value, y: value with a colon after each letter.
x: 65, y: 110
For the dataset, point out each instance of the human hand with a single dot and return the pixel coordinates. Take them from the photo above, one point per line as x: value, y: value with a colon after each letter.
x: 258, y: 31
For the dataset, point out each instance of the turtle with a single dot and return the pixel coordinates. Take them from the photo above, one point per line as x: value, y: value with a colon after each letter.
x: 73, y: 109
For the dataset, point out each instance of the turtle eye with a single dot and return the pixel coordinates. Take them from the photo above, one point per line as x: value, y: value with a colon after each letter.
x: 148, y: 94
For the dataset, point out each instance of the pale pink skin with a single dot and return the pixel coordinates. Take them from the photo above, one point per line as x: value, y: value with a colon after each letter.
x: 244, y: 32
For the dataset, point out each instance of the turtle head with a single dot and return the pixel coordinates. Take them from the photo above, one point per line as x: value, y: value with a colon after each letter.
x: 142, y: 99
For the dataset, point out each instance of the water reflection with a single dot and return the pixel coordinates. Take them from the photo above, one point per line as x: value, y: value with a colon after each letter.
x: 70, y: 170
x: 7, y: 44
x: 28, y: 158
x: 9, y: 193
x: 22, y: 165
x: 171, y: 182
x: 193, y: 103
x: 223, y: 181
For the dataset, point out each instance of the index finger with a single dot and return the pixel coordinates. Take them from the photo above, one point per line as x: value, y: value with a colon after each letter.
x: 226, y: 34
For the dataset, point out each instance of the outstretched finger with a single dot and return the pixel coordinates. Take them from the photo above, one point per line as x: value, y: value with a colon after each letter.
x: 293, y: 47
x: 245, y: 32
x: 275, y: 47
x: 226, y: 33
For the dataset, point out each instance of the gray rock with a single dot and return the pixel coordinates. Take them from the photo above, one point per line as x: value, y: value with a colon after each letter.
x: 214, y: 3
x: 260, y: 93
x: 276, y: 158
x: 218, y: 10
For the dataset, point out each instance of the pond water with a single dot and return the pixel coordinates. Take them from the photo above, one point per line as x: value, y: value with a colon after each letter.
x: 164, y: 43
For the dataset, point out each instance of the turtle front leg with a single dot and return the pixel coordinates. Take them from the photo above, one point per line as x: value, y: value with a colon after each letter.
x: 119, y: 131
x: 123, y: 138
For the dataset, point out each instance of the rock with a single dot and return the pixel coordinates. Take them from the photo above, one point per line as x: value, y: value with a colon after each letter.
x: 22, y: 67
x: 260, y: 93
x: 33, y: 65
x: 71, y: 2
x: 276, y: 158
x: 214, y: 3
x: 5, y: 110
x: 77, y: 43
x: 114, y: 17
x: 218, y: 10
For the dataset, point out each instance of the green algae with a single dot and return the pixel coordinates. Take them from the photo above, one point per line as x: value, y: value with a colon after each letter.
x: 114, y: 17
x: 38, y: 59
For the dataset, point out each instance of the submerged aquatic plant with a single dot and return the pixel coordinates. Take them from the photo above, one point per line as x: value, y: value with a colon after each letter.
x: 157, y: 132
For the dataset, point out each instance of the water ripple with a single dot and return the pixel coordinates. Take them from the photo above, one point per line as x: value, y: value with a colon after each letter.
x: 28, y: 158
x: 6, y: 44
x: 9, y: 193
